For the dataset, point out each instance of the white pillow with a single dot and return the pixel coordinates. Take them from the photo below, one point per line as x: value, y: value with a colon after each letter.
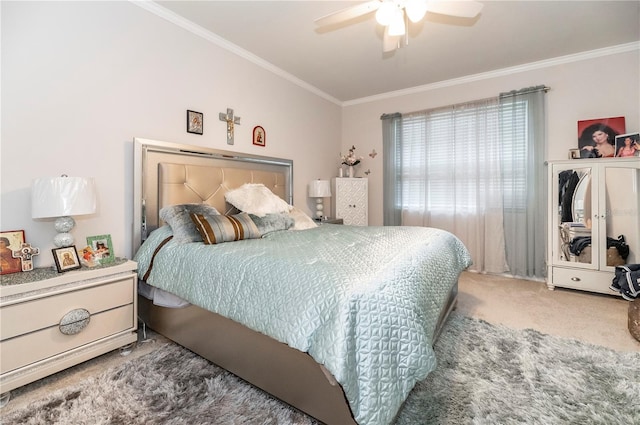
x: 256, y: 199
x: 301, y: 220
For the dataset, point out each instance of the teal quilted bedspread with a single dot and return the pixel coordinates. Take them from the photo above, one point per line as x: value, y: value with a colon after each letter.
x: 362, y: 301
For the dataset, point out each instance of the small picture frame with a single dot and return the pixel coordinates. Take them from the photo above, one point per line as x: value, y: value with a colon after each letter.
x: 66, y: 258
x: 102, y: 248
x: 574, y: 153
x: 628, y: 145
x: 195, y: 122
x: 9, y: 242
x: 259, y: 136
x: 87, y: 258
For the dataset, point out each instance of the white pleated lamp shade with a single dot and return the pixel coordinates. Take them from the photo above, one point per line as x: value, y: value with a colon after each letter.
x: 62, y: 196
x: 320, y: 189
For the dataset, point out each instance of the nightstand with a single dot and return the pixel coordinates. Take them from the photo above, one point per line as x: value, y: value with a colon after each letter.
x: 330, y: 221
x: 51, y: 321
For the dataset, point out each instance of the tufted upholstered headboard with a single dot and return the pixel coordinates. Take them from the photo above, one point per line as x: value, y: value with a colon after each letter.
x: 169, y: 174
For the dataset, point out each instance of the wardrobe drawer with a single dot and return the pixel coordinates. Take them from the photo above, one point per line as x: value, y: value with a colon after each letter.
x: 586, y: 280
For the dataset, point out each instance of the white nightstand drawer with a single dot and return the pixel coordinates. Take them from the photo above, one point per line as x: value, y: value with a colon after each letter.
x: 26, y: 349
x: 41, y: 313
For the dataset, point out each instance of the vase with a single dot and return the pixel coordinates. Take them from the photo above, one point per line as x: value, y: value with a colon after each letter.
x: 352, y: 172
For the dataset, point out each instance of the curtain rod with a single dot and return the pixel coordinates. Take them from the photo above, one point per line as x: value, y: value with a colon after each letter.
x: 511, y: 93
x: 526, y: 90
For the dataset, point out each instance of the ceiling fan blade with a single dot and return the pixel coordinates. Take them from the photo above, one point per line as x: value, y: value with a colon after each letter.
x: 459, y: 8
x: 348, y: 13
x: 390, y: 42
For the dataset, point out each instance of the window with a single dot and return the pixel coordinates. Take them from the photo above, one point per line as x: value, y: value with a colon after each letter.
x: 476, y: 170
x: 515, y: 146
x: 450, y: 157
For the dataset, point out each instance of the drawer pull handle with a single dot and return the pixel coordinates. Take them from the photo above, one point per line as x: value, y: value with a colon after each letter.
x: 575, y: 279
x: 74, y: 321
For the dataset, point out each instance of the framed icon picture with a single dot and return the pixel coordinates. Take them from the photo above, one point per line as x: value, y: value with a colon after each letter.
x: 259, y: 136
x: 9, y: 242
x: 102, y: 248
x: 66, y: 258
x: 195, y: 122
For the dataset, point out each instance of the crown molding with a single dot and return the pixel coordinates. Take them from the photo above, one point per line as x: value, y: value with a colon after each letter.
x: 188, y: 25
x: 597, y: 53
x: 196, y: 29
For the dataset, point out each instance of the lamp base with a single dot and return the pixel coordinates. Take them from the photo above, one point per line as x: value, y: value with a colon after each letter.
x: 63, y: 240
x: 63, y: 226
x: 319, y: 208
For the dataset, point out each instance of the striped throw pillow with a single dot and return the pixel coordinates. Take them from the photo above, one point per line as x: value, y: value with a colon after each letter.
x: 225, y: 228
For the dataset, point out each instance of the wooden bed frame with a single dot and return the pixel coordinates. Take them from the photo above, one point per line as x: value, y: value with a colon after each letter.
x: 166, y: 174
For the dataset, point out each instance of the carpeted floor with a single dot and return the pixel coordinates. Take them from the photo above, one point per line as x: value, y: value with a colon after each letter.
x: 486, y: 375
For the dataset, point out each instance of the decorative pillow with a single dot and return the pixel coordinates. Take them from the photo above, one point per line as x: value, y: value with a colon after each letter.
x: 302, y: 221
x: 225, y: 228
x: 178, y: 217
x: 256, y: 199
x: 272, y: 222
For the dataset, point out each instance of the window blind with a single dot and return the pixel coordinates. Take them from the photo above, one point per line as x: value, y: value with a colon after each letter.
x: 457, y: 143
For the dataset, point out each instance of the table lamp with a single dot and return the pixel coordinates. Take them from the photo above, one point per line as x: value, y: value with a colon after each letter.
x: 319, y: 189
x: 62, y: 197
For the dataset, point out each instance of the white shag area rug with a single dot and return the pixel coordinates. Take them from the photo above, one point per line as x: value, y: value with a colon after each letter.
x: 486, y: 375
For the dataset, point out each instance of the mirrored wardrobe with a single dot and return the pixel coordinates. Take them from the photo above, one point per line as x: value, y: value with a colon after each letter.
x: 593, y: 221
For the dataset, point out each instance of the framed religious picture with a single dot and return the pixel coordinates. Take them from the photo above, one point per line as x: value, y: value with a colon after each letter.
x: 628, y: 145
x: 66, y: 258
x: 102, y: 248
x: 195, y: 122
x: 259, y: 136
x: 597, y: 137
x: 10, y: 242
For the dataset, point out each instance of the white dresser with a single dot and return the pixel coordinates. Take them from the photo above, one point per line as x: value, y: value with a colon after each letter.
x: 351, y: 200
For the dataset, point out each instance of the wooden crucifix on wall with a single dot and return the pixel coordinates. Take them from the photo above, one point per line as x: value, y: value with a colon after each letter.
x: 231, y: 122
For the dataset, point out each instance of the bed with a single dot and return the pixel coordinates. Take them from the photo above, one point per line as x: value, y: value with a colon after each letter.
x: 336, y: 321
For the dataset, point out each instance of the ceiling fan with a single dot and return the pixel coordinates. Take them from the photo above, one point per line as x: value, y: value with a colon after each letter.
x: 395, y: 15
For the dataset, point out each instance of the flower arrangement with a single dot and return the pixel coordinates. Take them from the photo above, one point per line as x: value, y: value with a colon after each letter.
x: 351, y: 159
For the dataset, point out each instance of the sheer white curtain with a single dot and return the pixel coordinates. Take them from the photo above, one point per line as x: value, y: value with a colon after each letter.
x: 474, y: 169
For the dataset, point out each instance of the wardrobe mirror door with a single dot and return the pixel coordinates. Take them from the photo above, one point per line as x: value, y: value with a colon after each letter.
x: 622, y: 222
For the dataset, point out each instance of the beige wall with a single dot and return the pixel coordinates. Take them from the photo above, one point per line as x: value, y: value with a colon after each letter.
x: 597, y: 85
x: 80, y: 80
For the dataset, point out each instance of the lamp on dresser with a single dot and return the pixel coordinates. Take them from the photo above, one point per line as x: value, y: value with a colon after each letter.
x: 320, y: 189
x: 63, y: 197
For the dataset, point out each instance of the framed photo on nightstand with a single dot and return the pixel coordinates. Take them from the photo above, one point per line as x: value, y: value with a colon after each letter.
x: 66, y: 258
x: 102, y: 248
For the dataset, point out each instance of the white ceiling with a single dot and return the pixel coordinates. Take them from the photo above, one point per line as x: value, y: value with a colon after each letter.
x: 346, y: 62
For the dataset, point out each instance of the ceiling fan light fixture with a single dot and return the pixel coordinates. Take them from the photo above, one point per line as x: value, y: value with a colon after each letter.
x: 386, y: 12
x: 389, y: 43
x: 416, y: 9
x: 397, y: 27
